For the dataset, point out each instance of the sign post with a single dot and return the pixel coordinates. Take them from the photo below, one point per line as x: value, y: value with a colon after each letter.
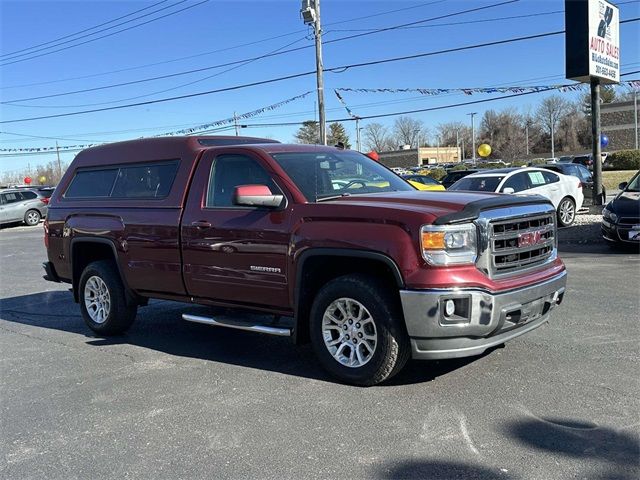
x: 592, y: 48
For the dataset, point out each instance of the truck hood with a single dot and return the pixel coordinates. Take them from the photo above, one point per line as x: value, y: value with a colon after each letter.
x: 446, y: 207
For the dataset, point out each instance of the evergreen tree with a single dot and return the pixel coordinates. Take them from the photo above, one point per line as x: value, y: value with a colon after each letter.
x: 337, y: 134
x: 309, y: 133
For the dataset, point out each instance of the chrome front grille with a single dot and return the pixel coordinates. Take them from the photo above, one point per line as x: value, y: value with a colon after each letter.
x: 516, y: 239
x: 521, y: 243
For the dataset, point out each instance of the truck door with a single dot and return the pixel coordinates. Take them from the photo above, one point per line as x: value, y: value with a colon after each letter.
x: 232, y: 253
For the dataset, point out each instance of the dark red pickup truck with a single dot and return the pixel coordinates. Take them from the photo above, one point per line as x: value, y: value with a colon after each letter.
x: 335, y: 247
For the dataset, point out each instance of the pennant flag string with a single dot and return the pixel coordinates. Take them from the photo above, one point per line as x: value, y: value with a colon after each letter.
x: 344, y: 104
x: 185, y: 131
x: 487, y: 90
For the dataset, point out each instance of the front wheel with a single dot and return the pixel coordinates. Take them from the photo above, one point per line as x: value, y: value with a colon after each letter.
x: 357, y: 330
x: 103, y: 302
x: 566, y: 212
x: 32, y: 217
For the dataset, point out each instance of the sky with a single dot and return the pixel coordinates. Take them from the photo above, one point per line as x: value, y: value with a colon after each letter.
x: 208, y: 33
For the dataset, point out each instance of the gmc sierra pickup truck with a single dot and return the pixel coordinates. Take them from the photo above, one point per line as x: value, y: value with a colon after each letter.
x: 328, y: 244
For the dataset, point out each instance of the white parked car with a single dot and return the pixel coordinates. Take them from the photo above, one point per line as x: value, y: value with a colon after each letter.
x: 564, y: 191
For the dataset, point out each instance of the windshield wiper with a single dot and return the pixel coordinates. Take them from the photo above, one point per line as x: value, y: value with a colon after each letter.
x: 333, y: 197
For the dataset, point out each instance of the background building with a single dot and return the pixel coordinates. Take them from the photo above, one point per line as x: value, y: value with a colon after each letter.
x: 412, y: 157
x: 620, y: 124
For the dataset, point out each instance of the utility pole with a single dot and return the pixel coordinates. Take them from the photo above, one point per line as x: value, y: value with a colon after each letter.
x: 235, y: 123
x: 59, y: 164
x: 311, y: 16
x: 526, y: 132
x: 552, y: 124
x: 473, y: 134
x: 595, y: 133
x: 635, y: 116
x: 358, y: 133
x: 458, y: 143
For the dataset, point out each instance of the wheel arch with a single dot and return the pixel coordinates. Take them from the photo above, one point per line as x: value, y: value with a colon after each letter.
x: 334, y: 262
x: 85, y: 250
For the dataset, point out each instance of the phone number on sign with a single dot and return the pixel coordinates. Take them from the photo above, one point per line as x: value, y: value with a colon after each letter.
x: 606, y: 72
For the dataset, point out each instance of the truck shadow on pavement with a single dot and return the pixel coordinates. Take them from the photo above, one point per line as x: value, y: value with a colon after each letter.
x: 618, y: 451
x: 159, y: 327
x: 439, y: 470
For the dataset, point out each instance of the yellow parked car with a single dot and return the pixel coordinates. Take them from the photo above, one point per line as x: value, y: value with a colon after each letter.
x: 423, y: 182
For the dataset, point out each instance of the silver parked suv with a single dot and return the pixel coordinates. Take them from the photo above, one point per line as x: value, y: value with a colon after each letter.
x: 20, y: 205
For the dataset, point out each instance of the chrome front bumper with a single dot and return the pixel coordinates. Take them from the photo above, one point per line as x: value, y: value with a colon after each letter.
x: 492, y: 318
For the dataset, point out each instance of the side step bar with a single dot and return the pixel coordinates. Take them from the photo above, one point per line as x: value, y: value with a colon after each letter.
x: 281, y: 332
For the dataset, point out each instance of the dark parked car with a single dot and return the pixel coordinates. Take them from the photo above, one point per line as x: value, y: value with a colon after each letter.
x: 19, y: 205
x: 621, y: 217
x: 453, y: 176
x: 581, y: 172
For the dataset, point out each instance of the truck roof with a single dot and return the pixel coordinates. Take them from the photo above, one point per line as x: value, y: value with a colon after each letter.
x: 167, y: 148
x: 158, y: 148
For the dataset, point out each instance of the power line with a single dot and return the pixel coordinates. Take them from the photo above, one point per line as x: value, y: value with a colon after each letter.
x: 302, y: 74
x: 424, y: 4
x: 475, y: 21
x: 363, y: 105
x: 82, y: 31
x: 146, y: 95
x: 110, y: 34
x: 236, y: 62
x: 349, y: 119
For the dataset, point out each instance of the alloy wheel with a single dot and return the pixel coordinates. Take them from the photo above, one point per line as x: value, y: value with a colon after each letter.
x: 97, y: 299
x: 349, y: 332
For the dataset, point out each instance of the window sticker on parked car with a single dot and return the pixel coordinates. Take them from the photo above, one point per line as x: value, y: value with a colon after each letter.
x: 536, y: 178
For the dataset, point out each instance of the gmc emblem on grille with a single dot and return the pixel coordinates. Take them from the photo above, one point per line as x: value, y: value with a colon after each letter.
x: 530, y: 239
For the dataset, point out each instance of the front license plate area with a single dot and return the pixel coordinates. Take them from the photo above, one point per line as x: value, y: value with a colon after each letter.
x: 531, y: 311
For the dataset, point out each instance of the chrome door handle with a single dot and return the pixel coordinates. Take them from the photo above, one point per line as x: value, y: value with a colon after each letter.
x: 201, y: 224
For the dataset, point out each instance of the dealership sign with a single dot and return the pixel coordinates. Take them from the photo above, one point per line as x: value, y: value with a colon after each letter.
x: 592, y: 40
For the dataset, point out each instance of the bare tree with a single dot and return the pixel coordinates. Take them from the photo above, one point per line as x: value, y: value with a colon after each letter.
x: 455, y: 134
x: 503, y: 131
x: 548, y: 115
x: 376, y: 137
x: 409, y: 131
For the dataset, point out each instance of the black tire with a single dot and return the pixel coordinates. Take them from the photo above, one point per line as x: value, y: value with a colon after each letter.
x: 392, y: 348
x: 121, y: 313
x: 32, y: 217
x: 563, y: 220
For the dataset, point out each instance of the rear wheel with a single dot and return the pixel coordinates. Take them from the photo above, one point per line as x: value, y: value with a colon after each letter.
x: 566, y: 212
x: 32, y: 217
x: 357, y: 330
x: 103, y: 302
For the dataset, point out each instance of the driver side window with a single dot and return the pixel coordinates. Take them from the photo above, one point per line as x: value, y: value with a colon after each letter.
x: 518, y: 182
x: 231, y: 171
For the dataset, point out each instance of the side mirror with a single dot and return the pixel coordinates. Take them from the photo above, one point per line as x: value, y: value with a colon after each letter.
x: 508, y: 190
x: 623, y: 185
x: 256, y: 196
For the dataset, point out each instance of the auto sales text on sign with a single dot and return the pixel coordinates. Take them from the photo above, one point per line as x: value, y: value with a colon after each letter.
x: 592, y: 36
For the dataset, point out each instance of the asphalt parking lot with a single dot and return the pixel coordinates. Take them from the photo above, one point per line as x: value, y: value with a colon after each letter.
x: 177, y: 400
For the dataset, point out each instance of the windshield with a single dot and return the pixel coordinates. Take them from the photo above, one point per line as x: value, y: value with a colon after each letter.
x: 477, y: 184
x: 634, y: 184
x: 323, y: 175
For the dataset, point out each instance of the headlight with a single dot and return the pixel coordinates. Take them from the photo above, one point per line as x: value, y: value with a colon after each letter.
x: 609, y: 215
x: 449, y: 244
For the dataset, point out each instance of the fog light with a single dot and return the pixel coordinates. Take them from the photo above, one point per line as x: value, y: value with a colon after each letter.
x: 449, y: 308
x: 455, y: 310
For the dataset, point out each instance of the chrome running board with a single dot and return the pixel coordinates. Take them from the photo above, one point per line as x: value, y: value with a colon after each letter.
x: 281, y: 332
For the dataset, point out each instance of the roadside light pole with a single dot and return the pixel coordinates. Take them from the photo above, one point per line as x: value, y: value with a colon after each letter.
x: 473, y: 135
x: 311, y: 16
